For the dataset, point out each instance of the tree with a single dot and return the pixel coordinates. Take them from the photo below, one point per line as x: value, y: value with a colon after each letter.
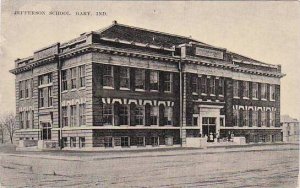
x: 2, y: 132
x: 9, y: 123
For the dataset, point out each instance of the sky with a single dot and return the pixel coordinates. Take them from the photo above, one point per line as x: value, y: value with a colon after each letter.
x: 267, y: 31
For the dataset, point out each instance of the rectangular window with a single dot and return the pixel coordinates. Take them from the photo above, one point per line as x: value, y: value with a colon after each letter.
x: 125, y: 141
x: 41, y: 98
x: 155, y: 141
x: 21, y: 120
x: 27, y: 119
x: 82, y: 116
x: 246, y: 89
x: 272, y: 118
x: 263, y: 118
x: 236, y: 88
x: 140, y: 79
x: 107, y: 114
x: 73, y: 78
x: 73, y: 115
x: 124, y: 77
x: 168, y: 115
x: 124, y: 114
x: 264, y: 91
x: 32, y: 119
x: 212, y: 86
x: 203, y: 85
x: 82, y: 76
x: 154, y: 115
x: 139, y: 115
x: 235, y: 117
x: 140, y: 141
x: 222, y: 122
x: 154, y: 80
x: 195, y: 121
x: 255, y: 90
x: 272, y: 92
x: 27, y: 85
x: 65, y: 142
x: 245, y: 118
x: 108, y: 76
x: 31, y: 87
x: 64, y: 80
x: 72, y: 142
x: 254, y: 118
x: 108, y: 142
x: 81, y: 142
x: 221, y: 86
x: 21, y: 90
x: 65, y: 116
x: 194, y: 84
x: 41, y: 80
x: 168, y: 82
x: 50, y: 97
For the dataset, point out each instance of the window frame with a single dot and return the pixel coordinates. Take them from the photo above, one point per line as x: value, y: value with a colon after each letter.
x: 138, y: 117
x: 73, y: 115
x: 254, y: 90
x: 168, y: 116
x: 82, y: 114
x: 168, y: 82
x: 106, y: 115
x: 108, y: 79
x: 154, y: 78
x: 64, y: 80
x: 124, y: 78
x: 73, y: 77
x: 142, y: 79
x: 82, y: 75
x: 65, y: 116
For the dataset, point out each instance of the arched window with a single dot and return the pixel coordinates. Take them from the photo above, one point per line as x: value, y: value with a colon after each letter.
x: 241, y: 116
x: 268, y: 122
x: 250, y: 118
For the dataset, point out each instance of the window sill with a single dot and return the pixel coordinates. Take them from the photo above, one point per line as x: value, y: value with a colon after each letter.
x: 247, y: 98
x: 65, y: 91
x: 45, y: 85
x: 272, y: 100
x: 264, y: 99
x: 108, y: 87
x: 81, y: 88
x: 48, y: 107
x: 140, y: 90
x: 194, y: 93
x: 74, y: 89
x: 256, y: 99
x: 235, y: 97
x: 156, y: 91
x: 212, y: 95
x: 203, y: 94
x: 221, y: 95
x: 167, y: 91
x: 124, y: 88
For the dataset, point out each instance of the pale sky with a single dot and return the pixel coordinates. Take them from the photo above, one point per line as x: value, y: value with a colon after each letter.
x: 266, y: 31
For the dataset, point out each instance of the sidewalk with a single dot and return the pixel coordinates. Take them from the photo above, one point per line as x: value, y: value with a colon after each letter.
x: 110, y: 155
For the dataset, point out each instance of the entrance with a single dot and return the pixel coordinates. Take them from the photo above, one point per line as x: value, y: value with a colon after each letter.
x: 209, y: 128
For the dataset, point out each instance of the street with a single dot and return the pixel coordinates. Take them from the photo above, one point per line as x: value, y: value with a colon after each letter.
x: 247, y: 167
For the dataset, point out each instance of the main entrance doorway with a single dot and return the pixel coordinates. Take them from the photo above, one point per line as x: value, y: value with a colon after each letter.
x: 46, y: 131
x: 209, y: 128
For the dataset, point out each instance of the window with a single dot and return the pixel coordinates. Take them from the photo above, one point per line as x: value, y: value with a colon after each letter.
x: 45, y: 79
x: 245, y: 118
x: 264, y: 91
x: 241, y: 117
x: 41, y: 98
x: 194, y: 84
x: 82, y: 117
x: 140, y: 79
x: 236, y: 88
x: 268, y: 118
x: 154, y: 79
x: 32, y: 119
x: 108, y: 142
x: 41, y: 80
x: 235, y: 117
x: 139, y: 115
x: 73, y: 115
x: 140, y: 141
x: 124, y: 141
x: 82, y: 76
x: 21, y: 120
x: 64, y: 80
x: 81, y: 142
x: 254, y: 118
x: 246, y: 89
x: 168, y: 82
x: 154, y: 115
x: 124, y: 114
x: 221, y: 86
x: 272, y: 92
x: 50, y: 98
x: 46, y: 131
x: 259, y: 118
x: 255, y: 90
x: 21, y: 89
x: 168, y: 115
x: 263, y: 118
x: 124, y: 77
x: 107, y: 114
x: 49, y: 77
x: 195, y: 121
x: 27, y: 85
x: 64, y: 116
x: 27, y: 119
x: 212, y: 86
x: 272, y: 118
x: 65, y: 142
x: 31, y: 87
x: 108, y: 76
x: 72, y: 142
x: 73, y: 78
x: 203, y: 85
x: 155, y: 141
x: 222, y: 122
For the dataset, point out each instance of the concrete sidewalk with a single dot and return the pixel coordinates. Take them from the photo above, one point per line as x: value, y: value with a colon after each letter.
x: 107, y: 155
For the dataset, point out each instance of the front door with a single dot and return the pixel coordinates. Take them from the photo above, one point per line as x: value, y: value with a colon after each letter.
x: 46, y: 131
x: 209, y: 128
